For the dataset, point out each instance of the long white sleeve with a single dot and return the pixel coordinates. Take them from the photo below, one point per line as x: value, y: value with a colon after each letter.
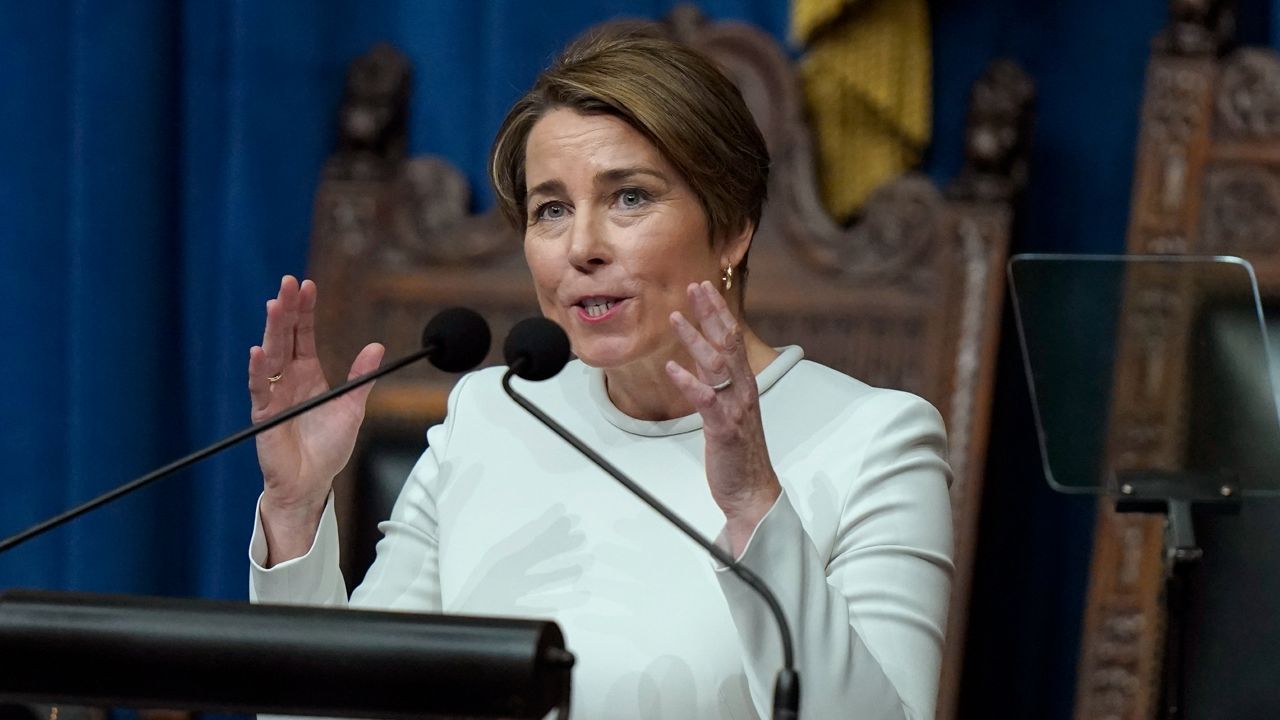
x: 404, y: 575
x: 312, y: 579
x: 868, y: 620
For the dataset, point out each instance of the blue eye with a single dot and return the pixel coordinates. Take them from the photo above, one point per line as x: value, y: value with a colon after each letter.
x: 631, y: 197
x: 550, y: 210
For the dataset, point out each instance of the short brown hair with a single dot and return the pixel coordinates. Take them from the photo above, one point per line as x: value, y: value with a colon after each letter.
x: 672, y: 95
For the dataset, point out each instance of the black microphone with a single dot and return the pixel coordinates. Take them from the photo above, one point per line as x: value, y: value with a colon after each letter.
x: 456, y: 339
x: 537, y: 349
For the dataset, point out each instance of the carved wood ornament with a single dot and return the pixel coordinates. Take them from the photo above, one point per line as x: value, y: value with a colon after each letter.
x: 1207, y: 181
x: 909, y: 296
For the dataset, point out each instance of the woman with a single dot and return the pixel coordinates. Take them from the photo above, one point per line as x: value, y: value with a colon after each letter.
x: 638, y: 177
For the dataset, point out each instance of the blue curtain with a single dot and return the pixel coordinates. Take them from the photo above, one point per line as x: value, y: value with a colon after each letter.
x: 157, y: 165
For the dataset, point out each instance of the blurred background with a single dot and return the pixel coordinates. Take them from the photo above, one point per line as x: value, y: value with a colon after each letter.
x: 158, y: 166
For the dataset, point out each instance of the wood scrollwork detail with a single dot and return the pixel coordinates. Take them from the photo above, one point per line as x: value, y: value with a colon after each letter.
x: 1144, y: 424
x: 1198, y: 27
x: 373, y: 117
x: 977, y: 238
x: 997, y: 134
x: 1173, y: 115
x: 1242, y: 211
x: 425, y: 200
x: 899, y: 228
x: 755, y: 64
x: 1248, y: 98
x: 881, y: 351
x: 347, y: 217
x: 1173, y: 118
x: 433, y: 223
x: 1116, y: 680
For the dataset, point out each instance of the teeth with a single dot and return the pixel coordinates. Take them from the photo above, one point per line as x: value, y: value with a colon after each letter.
x: 596, y: 308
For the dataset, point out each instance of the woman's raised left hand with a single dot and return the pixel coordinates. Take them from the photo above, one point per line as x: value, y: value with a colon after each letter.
x: 722, y: 387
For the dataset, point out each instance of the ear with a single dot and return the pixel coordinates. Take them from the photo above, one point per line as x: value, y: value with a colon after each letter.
x: 736, y: 244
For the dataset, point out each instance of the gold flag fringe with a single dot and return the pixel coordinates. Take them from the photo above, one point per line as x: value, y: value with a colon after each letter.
x: 867, y: 81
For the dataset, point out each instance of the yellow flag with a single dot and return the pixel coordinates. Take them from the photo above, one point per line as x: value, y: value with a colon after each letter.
x: 867, y: 80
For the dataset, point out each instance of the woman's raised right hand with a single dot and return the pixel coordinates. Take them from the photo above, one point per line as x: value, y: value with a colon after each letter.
x: 300, y: 458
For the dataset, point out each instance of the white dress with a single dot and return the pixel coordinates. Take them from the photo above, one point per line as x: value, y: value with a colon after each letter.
x: 501, y: 517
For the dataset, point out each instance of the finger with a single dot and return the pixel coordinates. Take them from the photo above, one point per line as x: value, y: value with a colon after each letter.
x: 712, y: 327
x: 735, y: 342
x: 277, y: 338
x: 718, y: 322
x: 259, y: 386
x: 366, y: 362
x: 273, y: 343
x: 698, y: 393
x: 289, y: 303
x: 722, y: 330
x: 711, y: 363
x: 304, y: 336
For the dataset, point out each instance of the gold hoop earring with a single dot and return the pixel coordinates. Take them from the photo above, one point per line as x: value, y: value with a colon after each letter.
x: 727, y: 278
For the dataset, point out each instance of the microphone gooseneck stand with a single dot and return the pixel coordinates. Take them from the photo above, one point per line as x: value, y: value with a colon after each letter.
x: 210, y: 655
x: 457, y: 339
x: 537, y: 349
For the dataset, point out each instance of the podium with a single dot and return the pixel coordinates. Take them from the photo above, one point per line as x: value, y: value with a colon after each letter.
x: 209, y: 655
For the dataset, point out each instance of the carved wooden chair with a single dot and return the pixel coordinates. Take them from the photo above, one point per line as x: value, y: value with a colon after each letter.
x: 908, y: 297
x: 1207, y: 182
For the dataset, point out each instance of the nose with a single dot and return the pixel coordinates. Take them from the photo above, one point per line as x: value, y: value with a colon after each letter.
x: 589, y: 247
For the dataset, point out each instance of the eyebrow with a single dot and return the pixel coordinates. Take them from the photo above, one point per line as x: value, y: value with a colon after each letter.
x: 546, y: 187
x: 619, y: 174
x: 556, y: 187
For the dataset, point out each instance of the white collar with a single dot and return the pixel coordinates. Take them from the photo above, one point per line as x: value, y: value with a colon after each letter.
x: 787, y: 358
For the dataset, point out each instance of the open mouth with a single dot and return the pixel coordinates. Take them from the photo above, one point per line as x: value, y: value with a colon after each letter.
x: 594, y: 308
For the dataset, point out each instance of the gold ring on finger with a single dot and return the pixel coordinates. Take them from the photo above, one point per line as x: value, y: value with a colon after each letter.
x: 723, y: 384
x: 276, y: 378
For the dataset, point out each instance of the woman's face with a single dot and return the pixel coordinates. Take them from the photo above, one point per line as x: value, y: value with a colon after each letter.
x: 614, y: 235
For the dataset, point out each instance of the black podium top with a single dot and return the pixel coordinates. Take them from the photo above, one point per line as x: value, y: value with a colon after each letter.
x: 236, y: 657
